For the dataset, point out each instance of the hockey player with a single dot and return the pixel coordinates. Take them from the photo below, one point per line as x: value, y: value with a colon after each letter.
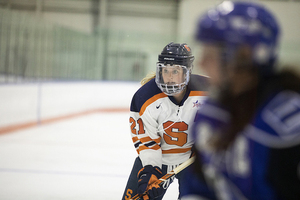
x: 247, y: 134
x: 162, y: 112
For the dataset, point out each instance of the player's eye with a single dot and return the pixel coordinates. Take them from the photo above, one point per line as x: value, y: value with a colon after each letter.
x: 175, y: 72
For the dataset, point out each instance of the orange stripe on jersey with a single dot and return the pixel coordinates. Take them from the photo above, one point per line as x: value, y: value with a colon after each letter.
x: 148, y: 139
x: 170, y: 151
x: 151, y: 100
x: 146, y: 143
x: 134, y: 139
x: 157, y: 140
x: 145, y: 139
x: 198, y: 93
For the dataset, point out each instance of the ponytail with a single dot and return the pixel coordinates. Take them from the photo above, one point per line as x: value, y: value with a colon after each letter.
x: 148, y: 77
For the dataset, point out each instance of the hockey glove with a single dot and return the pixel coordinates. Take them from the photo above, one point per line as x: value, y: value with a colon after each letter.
x: 147, y: 176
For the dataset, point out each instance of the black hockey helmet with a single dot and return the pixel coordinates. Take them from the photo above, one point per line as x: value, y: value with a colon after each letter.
x: 175, y: 53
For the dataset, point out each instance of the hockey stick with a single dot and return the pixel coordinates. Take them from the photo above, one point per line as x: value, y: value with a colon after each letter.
x: 167, y: 176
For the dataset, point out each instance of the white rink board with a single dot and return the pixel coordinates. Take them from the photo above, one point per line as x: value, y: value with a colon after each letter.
x: 32, y: 102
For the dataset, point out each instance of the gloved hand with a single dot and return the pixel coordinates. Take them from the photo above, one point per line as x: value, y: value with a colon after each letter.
x: 147, y: 176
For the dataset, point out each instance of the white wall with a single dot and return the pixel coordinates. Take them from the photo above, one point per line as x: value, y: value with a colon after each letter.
x: 78, y: 22
x: 25, y: 103
x: 287, y: 13
x: 151, y: 25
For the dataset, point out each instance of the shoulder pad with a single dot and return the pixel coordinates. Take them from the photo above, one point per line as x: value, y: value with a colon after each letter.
x: 144, y: 93
x: 282, y: 114
x: 280, y: 125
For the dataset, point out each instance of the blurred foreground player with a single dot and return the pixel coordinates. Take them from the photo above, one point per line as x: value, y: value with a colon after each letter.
x: 162, y: 112
x: 247, y: 134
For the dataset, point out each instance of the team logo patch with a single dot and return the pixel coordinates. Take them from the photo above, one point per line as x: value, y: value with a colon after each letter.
x: 197, y: 104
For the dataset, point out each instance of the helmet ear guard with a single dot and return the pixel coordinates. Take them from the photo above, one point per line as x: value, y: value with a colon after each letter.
x: 179, y: 55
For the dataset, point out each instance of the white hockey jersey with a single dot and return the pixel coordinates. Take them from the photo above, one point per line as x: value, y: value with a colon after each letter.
x: 160, y: 127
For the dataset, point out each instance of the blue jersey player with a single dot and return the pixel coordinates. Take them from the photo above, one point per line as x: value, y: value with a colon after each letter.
x: 247, y: 134
x: 161, y: 114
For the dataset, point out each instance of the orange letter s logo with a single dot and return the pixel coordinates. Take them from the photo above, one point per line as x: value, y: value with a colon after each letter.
x: 128, y: 194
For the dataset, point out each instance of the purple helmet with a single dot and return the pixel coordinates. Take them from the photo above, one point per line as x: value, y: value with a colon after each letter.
x: 232, y: 24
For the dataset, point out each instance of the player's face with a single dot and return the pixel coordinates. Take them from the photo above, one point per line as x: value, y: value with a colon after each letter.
x: 172, y: 74
x: 210, y: 63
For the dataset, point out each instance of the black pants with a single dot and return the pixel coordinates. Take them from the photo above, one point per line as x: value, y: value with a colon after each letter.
x: 131, y: 187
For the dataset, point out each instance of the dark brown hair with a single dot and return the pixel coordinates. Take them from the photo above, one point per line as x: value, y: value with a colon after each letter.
x: 242, y: 108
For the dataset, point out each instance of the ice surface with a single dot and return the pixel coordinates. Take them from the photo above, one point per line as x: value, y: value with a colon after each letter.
x: 88, y: 157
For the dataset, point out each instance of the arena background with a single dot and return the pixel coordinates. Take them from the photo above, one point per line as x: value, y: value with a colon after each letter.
x: 108, y: 39
x: 68, y: 70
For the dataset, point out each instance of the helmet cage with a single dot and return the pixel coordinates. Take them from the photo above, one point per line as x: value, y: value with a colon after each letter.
x: 171, y: 89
